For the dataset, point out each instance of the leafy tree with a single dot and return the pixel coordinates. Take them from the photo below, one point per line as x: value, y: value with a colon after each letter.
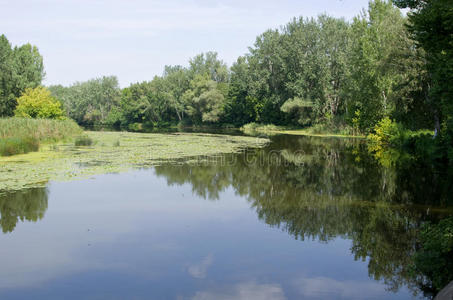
x: 209, y: 64
x: 89, y: 102
x: 240, y: 108
x: 7, y: 97
x: 431, y: 25
x: 177, y: 83
x: 204, y: 102
x: 38, y: 103
x: 377, y: 33
x: 20, y: 68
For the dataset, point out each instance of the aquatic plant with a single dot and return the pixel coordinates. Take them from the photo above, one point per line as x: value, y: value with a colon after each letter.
x: 114, y: 152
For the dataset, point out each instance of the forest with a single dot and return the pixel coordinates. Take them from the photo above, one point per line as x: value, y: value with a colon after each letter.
x: 383, y: 72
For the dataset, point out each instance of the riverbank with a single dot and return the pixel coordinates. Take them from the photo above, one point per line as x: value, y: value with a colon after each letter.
x: 111, y: 152
x: 255, y: 129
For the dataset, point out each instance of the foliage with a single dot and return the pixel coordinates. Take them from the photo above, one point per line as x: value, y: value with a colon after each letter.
x: 387, y: 133
x: 89, y: 102
x: 20, y: 68
x: 38, y: 103
x: 204, y: 102
x: 391, y: 142
x: 296, y: 107
x: 83, y: 140
x: 431, y: 25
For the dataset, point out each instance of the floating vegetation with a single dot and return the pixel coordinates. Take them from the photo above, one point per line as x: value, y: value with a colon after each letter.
x: 113, y: 152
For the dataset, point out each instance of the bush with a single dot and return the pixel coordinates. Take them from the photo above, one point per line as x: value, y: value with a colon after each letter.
x: 83, y: 140
x: 38, y: 103
x: 387, y: 133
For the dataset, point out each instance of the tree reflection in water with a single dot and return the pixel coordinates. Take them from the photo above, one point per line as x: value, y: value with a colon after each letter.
x: 26, y: 205
x: 321, y: 189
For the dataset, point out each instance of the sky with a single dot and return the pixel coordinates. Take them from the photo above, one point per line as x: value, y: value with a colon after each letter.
x: 135, y: 39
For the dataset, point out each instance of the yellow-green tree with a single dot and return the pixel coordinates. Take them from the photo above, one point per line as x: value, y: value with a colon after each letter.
x: 38, y: 103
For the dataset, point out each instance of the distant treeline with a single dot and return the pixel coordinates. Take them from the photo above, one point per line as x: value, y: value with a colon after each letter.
x: 310, y: 71
x: 317, y: 71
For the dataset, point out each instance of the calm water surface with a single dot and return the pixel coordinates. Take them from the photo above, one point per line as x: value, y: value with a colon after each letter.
x: 305, y: 218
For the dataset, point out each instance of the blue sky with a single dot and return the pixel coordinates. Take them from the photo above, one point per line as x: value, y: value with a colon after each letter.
x: 134, y: 40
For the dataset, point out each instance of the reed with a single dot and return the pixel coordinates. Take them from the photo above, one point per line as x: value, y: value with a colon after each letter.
x: 22, y: 135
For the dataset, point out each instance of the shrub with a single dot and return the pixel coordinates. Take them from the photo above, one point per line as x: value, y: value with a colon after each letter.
x: 38, y: 103
x: 83, y: 140
x: 387, y: 133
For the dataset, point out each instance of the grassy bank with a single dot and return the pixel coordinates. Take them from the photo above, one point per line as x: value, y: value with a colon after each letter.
x: 21, y: 135
x: 318, y: 130
x: 112, y: 152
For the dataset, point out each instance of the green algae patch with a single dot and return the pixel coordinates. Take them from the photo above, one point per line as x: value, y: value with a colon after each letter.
x: 114, y: 152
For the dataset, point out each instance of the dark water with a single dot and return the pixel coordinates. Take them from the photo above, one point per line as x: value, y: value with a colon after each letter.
x: 305, y: 218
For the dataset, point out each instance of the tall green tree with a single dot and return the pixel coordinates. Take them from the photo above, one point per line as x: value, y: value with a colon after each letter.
x: 377, y: 33
x: 177, y: 82
x: 209, y: 64
x: 89, y: 102
x: 431, y: 25
x: 20, y: 68
x: 204, y: 102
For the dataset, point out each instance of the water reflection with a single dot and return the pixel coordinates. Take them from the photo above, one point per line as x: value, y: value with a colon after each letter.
x: 28, y: 205
x: 132, y: 230
x: 321, y: 189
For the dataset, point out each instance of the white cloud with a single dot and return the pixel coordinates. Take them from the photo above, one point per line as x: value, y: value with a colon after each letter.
x: 200, y: 270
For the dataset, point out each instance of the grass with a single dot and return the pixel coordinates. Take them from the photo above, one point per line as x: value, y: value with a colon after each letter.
x: 22, y: 135
x: 114, y: 152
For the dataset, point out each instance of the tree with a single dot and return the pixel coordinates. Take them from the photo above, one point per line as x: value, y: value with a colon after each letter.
x: 7, y: 97
x: 177, y: 83
x: 20, y: 68
x: 377, y: 34
x: 209, y: 64
x: 38, y: 103
x: 240, y: 107
x: 204, y: 102
x: 431, y: 25
x: 89, y: 102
